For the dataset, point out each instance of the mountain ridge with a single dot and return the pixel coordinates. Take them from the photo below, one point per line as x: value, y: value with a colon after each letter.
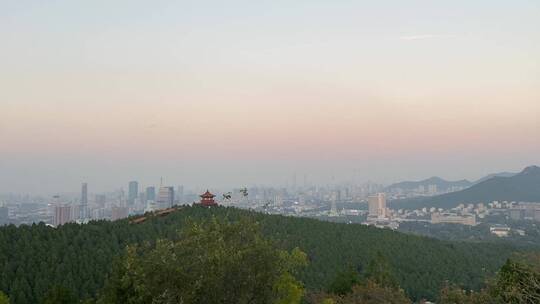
x: 441, y: 184
x: 524, y: 186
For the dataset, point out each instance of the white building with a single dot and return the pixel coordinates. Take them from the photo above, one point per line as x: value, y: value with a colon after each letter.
x: 452, y: 218
x: 377, y: 206
x: 500, y: 230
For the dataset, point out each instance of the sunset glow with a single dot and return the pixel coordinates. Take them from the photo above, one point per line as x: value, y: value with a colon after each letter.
x: 266, y: 90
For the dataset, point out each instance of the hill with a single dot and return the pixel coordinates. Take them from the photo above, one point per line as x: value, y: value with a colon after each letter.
x: 524, y: 186
x: 79, y: 257
x: 490, y: 176
x: 442, y: 185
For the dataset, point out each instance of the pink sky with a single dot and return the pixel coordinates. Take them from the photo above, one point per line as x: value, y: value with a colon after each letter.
x: 320, y: 88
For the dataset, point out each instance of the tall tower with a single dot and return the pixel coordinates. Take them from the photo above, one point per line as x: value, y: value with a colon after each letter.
x: 165, y: 197
x: 133, y: 192
x: 333, y: 206
x: 4, y: 214
x: 84, y: 194
x: 83, y: 212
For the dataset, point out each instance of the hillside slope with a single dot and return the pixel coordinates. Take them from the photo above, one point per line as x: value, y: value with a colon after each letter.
x: 524, y: 186
x: 492, y: 175
x: 442, y: 184
x: 79, y: 257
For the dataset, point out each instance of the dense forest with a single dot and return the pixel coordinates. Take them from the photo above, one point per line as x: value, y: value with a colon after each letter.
x: 36, y: 258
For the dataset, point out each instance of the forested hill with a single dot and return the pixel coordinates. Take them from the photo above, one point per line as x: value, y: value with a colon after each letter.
x: 524, y: 186
x: 79, y: 257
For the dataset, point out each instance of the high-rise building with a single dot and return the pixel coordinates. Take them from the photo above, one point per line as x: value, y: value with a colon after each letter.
x: 84, y: 194
x: 333, y: 204
x: 180, y: 194
x: 84, y: 202
x: 377, y: 205
x: 4, y: 215
x: 150, y: 193
x: 133, y: 191
x: 165, y: 197
x: 62, y: 215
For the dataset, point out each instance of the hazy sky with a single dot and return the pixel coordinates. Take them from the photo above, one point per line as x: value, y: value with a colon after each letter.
x: 225, y: 93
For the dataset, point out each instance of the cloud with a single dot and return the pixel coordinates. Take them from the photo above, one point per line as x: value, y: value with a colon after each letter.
x: 426, y: 36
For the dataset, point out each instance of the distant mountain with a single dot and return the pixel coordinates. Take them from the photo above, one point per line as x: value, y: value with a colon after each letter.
x: 490, y: 176
x: 442, y: 185
x: 524, y: 186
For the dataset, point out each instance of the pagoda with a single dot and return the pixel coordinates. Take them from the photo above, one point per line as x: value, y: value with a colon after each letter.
x: 207, y: 199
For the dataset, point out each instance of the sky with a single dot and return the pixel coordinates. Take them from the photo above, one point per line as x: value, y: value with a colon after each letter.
x: 231, y: 93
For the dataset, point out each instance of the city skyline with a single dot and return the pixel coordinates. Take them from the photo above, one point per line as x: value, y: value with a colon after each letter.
x: 250, y: 93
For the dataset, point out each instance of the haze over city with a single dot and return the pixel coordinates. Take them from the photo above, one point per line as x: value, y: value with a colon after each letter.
x: 229, y: 94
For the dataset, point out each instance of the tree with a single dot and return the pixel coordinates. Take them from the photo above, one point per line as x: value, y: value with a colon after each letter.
x: 379, y: 272
x: 4, y: 299
x: 451, y: 294
x: 373, y: 293
x: 344, y: 282
x: 216, y: 262
x: 60, y: 295
x: 517, y: 283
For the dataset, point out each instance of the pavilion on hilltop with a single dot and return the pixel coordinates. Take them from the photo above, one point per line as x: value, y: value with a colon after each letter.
x: 207, y: 199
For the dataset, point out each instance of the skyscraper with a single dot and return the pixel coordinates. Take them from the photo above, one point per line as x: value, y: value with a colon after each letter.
x: 333, y: 205
x: 4, y: 214
x: 150, y: 193
x: 84, y: 194
x: 377, y: 205
x: 165, y: 197
x: 180, y: 194
x: 133, y: 192
x: 83, y: 211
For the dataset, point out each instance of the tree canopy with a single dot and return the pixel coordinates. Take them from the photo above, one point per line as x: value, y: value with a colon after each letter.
x: 34, y: 259
x: 217, y: 262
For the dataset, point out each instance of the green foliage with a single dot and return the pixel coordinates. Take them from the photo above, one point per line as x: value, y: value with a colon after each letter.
x: 60, y: 295
x: 373, y: 293
x: 517, y: 283
x: 287, y: 290
x: 378, y: 286
x: 367, y: 292
x: 344, y: 282
x: 219, y: 262
x: 81, y: 257
x: 454, y: 295
x: 4, y: 299
x: 379, y: 272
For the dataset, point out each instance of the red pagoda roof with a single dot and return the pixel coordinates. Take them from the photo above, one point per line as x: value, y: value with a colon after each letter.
x: 207, y: 194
